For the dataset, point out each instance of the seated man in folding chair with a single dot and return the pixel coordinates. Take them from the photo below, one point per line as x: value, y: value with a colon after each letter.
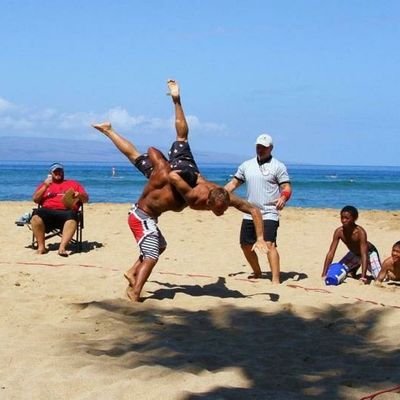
x: 59, y: 202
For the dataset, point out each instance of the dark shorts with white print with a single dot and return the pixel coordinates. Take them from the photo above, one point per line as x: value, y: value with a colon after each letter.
x: 180, y: 158
x: 144, y: 165
x: 248, y: 232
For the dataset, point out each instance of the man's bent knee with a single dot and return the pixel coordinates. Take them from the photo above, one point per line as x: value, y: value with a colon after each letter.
x: 36, y: 221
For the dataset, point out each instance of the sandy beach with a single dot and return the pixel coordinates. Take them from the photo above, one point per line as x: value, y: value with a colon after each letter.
x: 204, y: 331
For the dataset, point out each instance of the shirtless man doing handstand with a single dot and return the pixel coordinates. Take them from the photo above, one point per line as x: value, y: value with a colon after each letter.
x: 160, y: 195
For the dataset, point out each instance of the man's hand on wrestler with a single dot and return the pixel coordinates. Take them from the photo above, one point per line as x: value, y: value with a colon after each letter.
x: 260, y: 245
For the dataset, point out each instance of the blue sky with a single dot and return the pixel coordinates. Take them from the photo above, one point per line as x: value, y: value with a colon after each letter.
x: 321, y: 77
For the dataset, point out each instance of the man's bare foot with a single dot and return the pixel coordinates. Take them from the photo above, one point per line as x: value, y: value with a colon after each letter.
x: 130, y: 279
x: 254, y: 276
x: 173, y: 89
x: 104, y: 127
x: 63, y: 253
x: 42, y: 251
x: 276, y: 282
x: 131, y: 294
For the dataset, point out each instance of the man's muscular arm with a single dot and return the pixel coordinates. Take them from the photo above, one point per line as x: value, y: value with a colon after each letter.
x: 246, y: 207
x: 233, y: 184
x: 184, y: 189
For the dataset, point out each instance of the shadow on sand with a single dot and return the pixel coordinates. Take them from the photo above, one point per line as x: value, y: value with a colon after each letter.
x: 217, y: 289
x: 327, y: 355
x: 86, y: 246
x: 285, y: 276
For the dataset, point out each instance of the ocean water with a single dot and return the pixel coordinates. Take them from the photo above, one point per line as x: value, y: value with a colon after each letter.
x: 313, y: 186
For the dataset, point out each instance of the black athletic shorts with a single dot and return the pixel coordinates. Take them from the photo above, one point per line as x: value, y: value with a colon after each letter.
x: 55, y: 219
x: 180, y: 158
x: 144, y: 165
x: 248, y: 233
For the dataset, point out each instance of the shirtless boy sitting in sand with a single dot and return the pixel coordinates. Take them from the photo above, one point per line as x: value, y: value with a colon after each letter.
x: 361, y: 251
x: 391, y: 266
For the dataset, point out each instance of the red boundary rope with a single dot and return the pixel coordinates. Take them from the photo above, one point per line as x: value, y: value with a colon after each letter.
x: 395, y: 389
x: 294, y: 286
x: 345, y: 297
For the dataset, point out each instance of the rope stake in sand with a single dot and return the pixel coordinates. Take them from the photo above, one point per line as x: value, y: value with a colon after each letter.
x: 395, y: 389
x: 344, y: 297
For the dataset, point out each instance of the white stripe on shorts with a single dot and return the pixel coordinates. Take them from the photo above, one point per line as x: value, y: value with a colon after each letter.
x: 149, y: 247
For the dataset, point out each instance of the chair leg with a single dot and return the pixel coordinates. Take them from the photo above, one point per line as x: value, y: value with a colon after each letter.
x: 34, y: 242
x: 79, y: 238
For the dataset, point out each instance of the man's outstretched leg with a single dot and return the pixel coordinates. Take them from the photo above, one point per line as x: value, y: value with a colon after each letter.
x: 130, y: 275
x: 181, y: 126
x: 142, y: 273
x: 123, y: 145
x: 180, y: 154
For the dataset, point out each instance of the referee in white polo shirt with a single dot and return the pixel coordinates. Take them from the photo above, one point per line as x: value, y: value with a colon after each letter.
x: 268, y: 187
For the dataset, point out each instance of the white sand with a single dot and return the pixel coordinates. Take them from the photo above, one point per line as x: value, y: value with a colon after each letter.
x: 204, y: 331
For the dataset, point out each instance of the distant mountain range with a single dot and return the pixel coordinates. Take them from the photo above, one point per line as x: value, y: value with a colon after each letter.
x: 64, y: 150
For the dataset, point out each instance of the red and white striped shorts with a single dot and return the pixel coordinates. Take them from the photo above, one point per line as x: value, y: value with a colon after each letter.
x: 146, y: 232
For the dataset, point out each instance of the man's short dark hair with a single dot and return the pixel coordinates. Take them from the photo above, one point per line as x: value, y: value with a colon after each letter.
x: 219, y: 195
x: 397, y: 244
x: 351, y: 210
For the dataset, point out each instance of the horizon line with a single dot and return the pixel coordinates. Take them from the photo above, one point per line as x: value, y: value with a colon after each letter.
x: 288, y: 163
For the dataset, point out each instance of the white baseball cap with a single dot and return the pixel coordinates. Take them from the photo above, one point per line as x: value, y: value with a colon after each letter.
x: 265, y: 140
x: 55, y: 166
